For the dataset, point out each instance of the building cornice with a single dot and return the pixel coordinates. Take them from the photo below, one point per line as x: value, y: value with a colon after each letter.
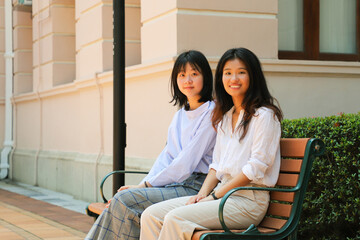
x: 140, y: 71
x: 326, y: 68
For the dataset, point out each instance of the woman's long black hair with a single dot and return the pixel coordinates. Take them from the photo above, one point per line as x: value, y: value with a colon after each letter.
x: 256, y: 96
x: 199, y: 62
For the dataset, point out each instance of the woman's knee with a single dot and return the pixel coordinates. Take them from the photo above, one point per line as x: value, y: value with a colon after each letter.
x: 169, y: 218
x: 125, y: 197
x: 174, y: 215
x: 147, y: 214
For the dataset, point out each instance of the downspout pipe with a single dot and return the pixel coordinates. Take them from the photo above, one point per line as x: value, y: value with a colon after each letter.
x: 9, y: 55
x: 119, y: 131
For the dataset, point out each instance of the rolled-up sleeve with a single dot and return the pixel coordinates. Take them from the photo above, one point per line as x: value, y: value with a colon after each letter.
x: 265, y: 145
x: 217, y: 152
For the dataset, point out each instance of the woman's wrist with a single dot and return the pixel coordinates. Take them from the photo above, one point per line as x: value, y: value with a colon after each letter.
x: 147, y: 184
x: 214, y: 196
x: 204, y: 193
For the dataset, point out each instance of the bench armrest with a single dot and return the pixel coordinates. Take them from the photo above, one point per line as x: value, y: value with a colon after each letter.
x: 115, y: 172
x: 315, y: 147
x: 229, y: 193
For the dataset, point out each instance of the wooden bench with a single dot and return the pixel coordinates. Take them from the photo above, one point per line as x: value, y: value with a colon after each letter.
x: 95, y: 209
x: 287, y: 197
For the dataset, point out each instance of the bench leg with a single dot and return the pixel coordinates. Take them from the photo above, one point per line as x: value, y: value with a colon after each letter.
x: 293, y: 235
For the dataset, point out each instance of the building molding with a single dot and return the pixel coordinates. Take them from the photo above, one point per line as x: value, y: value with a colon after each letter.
x: 134, y: 163
x: 286, y: 67
x: 335, y: 68
x: 79, y: 157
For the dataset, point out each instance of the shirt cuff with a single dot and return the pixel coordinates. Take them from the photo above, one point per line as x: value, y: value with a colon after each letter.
x: 213, y: 166
x: 247, y: 170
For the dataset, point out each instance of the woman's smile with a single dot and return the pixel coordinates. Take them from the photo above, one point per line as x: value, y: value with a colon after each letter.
x: 235, y: 86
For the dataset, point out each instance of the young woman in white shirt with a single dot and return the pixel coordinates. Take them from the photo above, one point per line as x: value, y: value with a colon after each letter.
x: 247, y: 153
x: 181, y: 167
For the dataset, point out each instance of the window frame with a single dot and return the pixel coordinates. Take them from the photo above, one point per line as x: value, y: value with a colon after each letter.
x: 311, y: 24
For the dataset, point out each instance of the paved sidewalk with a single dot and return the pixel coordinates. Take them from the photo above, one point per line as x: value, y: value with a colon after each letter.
x: 24, y: 217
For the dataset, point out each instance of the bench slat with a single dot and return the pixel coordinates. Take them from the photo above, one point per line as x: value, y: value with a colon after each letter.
x: 279, y: 209
x: 293, y: 148
x: 283, y: 196
x: 290, y: 165
x: 287, y: 180
x: 97, y: 207
x: 274, y: 223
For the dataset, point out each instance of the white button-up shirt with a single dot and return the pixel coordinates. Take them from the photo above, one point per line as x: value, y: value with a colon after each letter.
x: 189, y: 148
x: 257, y: 155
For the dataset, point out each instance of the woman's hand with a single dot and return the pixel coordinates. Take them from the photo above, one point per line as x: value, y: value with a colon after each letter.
x: 128, y: 187
x: 195, y: 199
x: 208, y: 198
x: 108, y: 203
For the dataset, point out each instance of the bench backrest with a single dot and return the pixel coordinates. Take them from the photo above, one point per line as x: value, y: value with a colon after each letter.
x: 285, y: 208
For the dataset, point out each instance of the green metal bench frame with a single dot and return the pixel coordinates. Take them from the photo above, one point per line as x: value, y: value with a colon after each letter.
x: 94, y: 214
x: 314, y: 148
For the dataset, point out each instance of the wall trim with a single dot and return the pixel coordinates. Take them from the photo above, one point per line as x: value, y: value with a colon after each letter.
x: 286, y: 67
x: 87, y: 158
x: 351, y: 69
x: 134, y: 163
x: 222, y: 13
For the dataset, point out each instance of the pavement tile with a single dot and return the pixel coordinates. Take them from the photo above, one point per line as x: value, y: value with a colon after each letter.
x: 25, y: 218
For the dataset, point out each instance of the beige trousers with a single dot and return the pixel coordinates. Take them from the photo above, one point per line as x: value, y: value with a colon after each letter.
x: 172, y: 219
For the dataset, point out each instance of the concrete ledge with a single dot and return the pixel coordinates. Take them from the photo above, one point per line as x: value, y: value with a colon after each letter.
x: 71, y: 172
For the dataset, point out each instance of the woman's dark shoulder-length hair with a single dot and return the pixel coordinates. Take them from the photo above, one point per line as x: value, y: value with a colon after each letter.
x: 199, y: 62
x: 256, y: 96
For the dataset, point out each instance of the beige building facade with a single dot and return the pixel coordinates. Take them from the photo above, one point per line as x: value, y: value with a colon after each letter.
x: 56, y: 81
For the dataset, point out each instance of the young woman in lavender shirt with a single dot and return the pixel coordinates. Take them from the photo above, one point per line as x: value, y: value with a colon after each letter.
x: 181, y: 167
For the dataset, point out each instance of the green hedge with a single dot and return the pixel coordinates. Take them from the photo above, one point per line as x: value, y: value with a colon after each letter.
x: 332, y: 205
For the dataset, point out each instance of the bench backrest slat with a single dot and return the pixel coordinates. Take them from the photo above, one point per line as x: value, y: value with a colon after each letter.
x: 274, y: 223
x: 287, y: 180
x: 282, y: 196
x: 279, y: 209
x: 290, y: 165
x: 293, y: 148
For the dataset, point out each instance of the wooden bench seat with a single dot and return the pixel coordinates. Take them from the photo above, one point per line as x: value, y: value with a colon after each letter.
x: 95, y: 209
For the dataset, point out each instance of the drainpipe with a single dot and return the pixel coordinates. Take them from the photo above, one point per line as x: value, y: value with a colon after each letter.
x: 9, y: 55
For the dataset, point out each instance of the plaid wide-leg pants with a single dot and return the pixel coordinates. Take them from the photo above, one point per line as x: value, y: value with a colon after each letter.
x: 122, y: 219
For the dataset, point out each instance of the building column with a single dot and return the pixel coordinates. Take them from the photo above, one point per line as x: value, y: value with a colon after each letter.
x: 23, y: 44
x: 54, y: 43
x: 94, y: 36
x: 170, y: 27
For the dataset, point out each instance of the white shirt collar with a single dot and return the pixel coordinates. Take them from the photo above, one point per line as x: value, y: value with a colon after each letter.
x: 196, y: 112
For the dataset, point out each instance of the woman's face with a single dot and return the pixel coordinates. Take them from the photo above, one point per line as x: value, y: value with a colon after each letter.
x: 190, y: 82
x: 236, y: 79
